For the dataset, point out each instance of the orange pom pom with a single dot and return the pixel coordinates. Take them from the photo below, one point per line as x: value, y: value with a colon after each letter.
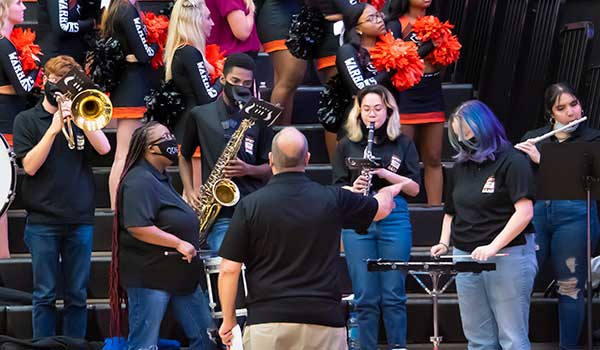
x: 378, y: 4
x: 27, y: 50
x: 447, y: 47
x: 402, y: 56
x: 158, y: 27
x: 216, y: 58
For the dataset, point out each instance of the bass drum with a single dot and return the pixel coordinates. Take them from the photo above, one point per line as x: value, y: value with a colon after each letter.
x: 8, y: 175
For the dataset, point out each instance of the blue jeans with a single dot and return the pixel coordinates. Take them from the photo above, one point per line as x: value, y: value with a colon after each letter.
x: 217, y: 233
x: 494, y: 305
x: 380, y: 292
x: 561, y: 228
x: 56, y: 248
x: 147, y: 308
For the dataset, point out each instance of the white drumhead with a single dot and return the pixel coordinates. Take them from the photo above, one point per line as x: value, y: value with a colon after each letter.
x: 8, y: 175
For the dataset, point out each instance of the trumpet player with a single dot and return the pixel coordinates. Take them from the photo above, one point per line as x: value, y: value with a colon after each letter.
x: 58, y: 194
x: 390, y: 238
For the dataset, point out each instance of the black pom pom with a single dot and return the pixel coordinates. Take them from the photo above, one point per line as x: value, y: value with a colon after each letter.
x: 164, y: 105
x: 306, y: 31
x: 167, y: 10
x: 105, y: 63
x: 333, y: 104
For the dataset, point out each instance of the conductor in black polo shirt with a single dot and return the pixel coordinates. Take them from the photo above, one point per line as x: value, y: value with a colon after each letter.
x: 58, y: 194
x: 211, y: 126
x: 287, y: 234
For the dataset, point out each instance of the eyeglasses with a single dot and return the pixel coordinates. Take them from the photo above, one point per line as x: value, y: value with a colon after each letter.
x: 374, y: 18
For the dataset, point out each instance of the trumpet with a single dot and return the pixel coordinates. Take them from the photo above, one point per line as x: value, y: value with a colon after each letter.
x: 90, y: 110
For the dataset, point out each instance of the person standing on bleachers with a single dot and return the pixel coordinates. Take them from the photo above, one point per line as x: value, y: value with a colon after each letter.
x: 235, y: 30
x: 152, y: 218
x: 62, y: 27
x: 58, y: 194
x: 273, y: 22
x: 14, y: 86
x: 422, y: 106
x: 287, y: 234
x: 363, y: 25
x: 377, y: 293
x: 561, y: 225
x: 122, y: 21
x: 488, y: 210
x: 211, y: 126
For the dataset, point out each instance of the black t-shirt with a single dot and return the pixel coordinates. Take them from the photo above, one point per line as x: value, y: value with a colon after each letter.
x: 399, y: 156
x: 210, y: 126
x: 11, y: 70
x: 288, y: 235
x: 62, y: 29
x: 131, y: 33
x: 356, y: 75
x: 481, y: 197
x: 147, y: 198
x: 191, y: 77
x: 62, y: 190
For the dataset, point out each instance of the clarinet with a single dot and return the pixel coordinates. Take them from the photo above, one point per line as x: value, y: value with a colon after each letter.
x: 368, y: 154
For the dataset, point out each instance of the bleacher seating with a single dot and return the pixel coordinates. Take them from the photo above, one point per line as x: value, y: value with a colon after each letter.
x: 16, y: 272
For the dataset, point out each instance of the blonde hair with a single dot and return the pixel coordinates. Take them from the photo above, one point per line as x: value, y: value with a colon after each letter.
x: 4, y: 5
x: 354, y: 120
x: 185, y: 28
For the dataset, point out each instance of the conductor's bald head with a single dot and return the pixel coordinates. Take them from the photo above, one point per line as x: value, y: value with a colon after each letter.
x: 289, y: 151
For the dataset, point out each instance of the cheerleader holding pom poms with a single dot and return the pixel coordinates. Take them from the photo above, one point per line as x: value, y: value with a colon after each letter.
x: 422, y: 107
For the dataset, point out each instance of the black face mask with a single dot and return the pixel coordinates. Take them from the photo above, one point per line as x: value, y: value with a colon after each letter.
x: 168, y: 149
x: 50, y: 90
x: 469, y: 145
x: 237, y: 94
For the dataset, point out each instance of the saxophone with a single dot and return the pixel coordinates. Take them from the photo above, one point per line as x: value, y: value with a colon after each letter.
x: 218, y: 190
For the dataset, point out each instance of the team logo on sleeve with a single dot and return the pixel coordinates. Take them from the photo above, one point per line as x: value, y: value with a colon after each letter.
x: 249, y: 144
x: 394, y: 164
x: 490, y: 185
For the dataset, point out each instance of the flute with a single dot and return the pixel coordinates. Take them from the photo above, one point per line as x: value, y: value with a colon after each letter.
x: 548, y: 134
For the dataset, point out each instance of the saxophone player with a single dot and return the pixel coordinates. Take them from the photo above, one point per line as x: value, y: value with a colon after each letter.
x: 211, y: 127
x: 390, y: 238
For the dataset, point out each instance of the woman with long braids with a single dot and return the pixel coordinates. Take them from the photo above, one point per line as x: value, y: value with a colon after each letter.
x: 272, y: 22
x: 561, y: 225
x: 422, y: 106
x: 150, y: 218
x: 378, y: 293
x: 14, y: 86
x: 122, y: 21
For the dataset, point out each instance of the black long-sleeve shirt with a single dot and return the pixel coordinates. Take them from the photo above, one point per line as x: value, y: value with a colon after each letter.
x: 131, y: 33
x: 355, y: 75
x: 191, y: 77
x: 11, y: 71
x: 62, y: 28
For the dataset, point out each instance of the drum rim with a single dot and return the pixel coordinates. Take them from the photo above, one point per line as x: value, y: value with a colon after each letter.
x: 11, y: 157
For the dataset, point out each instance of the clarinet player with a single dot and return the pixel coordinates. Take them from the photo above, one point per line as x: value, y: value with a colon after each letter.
x: 390, y: 238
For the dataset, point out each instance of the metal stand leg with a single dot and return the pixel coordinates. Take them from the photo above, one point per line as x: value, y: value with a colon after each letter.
x: 436, y: 339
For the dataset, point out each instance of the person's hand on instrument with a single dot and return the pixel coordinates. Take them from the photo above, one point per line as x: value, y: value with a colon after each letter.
x: 439, y: 249
x: 225, y: 331
x: 484, y: 252
x: 529, y: 148
x: 360, y: 184
x: 187, y: 250
x: 236, y: 168
x: 192, y: 198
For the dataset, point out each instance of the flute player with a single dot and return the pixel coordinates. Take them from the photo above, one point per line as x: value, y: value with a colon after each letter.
x: 560, y: 225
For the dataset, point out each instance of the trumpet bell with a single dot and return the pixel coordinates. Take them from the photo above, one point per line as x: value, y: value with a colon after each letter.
x: 226, y: 192
x: 91, y: 110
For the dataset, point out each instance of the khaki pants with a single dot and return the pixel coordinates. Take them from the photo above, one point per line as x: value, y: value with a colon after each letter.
x: 294, y: 336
